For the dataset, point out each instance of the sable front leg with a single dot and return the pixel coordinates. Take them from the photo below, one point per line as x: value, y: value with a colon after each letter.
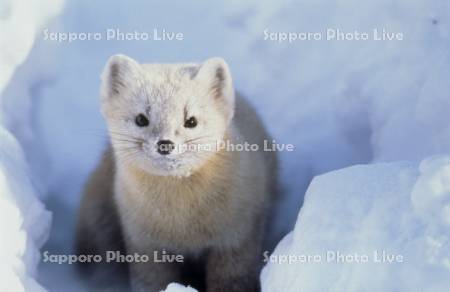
x: 152, y: 276
x: 234, y: 269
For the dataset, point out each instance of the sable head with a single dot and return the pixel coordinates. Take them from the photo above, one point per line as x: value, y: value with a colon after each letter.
x: 166, y: 118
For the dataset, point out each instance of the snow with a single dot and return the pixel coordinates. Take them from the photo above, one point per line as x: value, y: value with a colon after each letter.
x: 389, y: 221
x: 24, y: 222
x: 179, y: 288
x: 19, y: 24
x: 340, y: 103
x: 431, y: 200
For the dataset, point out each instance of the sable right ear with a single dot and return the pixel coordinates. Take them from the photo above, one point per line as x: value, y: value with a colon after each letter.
x: 119, y: 73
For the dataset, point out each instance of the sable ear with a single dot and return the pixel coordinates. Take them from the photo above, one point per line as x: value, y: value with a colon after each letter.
x: 119, y: 73
x: 216, y: 74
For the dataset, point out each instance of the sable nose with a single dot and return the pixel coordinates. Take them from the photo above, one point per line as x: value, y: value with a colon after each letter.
x: 164, y: 147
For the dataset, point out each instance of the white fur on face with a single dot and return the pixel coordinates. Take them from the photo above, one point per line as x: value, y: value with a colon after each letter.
x: 168, y: 95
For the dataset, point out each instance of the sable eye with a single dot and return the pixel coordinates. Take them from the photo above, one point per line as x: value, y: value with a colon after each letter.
x: 141, y: 120
x: 190, y: 123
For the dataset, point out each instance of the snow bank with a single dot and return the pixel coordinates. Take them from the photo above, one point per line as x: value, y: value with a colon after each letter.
x: 381, y: 227
x: 431, y: 200
x: 19, y: 24
x: 24, y: 223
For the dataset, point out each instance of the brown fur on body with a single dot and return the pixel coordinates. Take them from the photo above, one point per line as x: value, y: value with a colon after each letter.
x: 214, y: 217
x: 99, y: 230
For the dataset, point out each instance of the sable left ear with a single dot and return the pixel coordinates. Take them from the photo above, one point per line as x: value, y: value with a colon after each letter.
x: 118, y: 76
x: 216, y: 74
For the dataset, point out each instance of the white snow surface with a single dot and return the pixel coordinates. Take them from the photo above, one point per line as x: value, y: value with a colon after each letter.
x: 381, y: 227
x: 174, y: 287
x: 24, y: 222
x: 20, y: 21
x: 340, y: 103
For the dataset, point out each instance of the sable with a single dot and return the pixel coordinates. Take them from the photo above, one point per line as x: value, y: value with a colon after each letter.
x: 208, y: 206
